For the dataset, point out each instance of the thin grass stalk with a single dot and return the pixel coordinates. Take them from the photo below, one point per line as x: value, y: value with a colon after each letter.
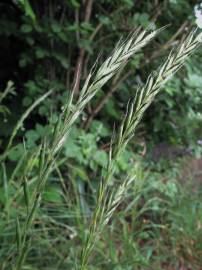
x: 106, y: 204
x: 20, y: 122
x: 50, y: 151
x: 9, y: 89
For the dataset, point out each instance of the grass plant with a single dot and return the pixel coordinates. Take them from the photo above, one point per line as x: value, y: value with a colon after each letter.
x: 106, y: 204
x: 110, y: 194
x: 50, y: 149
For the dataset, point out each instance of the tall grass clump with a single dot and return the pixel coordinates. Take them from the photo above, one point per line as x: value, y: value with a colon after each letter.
x: 49, y: 150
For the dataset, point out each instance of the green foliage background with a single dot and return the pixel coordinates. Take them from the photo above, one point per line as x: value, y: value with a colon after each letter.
x: 43, y: 44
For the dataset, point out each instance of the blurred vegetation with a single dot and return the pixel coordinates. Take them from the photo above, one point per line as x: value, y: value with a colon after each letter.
x: 47, y: 48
